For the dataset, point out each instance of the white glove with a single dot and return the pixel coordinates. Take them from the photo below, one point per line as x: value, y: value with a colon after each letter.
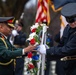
x: 42, y: 49
x: 47, y: 47
x: 14, y: 33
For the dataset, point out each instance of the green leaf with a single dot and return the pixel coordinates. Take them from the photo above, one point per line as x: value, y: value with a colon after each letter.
x: 37, y: 39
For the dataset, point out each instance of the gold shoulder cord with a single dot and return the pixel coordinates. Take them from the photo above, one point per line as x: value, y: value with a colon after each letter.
x: 11, y: 59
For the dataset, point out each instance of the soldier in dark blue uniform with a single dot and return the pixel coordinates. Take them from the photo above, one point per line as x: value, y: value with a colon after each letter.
x: 49, y: 42
x: 19, y: 42
x: 7, y: 51
x: 68, y: 41
x: 59, y: 70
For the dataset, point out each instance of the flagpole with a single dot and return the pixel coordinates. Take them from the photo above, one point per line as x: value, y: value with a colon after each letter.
x: 43, y: 42
x: 39, y: 63
x: 41, y: 16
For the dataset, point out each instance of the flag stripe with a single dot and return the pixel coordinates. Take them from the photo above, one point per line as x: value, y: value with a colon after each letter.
x: 42, y: 11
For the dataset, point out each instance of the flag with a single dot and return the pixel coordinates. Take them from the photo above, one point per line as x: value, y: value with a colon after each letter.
x: 52, y: 4
x: 63, y: 25
x: 42, y: 14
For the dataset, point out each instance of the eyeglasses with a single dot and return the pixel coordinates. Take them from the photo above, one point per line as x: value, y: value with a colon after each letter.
x: 71, y: 19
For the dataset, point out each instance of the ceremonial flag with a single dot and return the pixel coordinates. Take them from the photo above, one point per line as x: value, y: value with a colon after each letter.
x: 42, y: 14
x: 53, y: 6
x: 63, y: 25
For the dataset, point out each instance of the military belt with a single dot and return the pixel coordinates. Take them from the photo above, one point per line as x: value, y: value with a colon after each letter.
x: 18, y: 46
x: 68, y: 58
x: 19, y: 57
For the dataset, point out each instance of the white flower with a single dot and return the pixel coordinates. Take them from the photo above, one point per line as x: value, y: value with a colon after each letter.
x: 31, y: 36
x: 34, y: 26
x: 30, y: 59
x: 27, y: 60
x: 36, y: 44
x: 25, y: 73
x: 25, y: 68
x: 31, y: 70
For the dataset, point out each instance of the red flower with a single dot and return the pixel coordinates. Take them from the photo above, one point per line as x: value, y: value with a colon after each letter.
x: 30, y: 55
x: 33, y: 30
x: 30, y: 66
x: 32, y: 41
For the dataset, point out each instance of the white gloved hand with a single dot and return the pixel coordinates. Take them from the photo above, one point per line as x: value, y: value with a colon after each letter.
x: 14, y: 33
x: 42, y: 49
x: 47, y: 47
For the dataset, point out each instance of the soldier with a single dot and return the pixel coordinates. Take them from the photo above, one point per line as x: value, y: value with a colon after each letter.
x: 49, y: 42
x: 7, y: 51
x: 59, y: 70
x: 68, y: 41
x: 19, y: 42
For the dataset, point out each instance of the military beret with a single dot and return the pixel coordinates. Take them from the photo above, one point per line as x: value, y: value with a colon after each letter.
x: 8, y: 20
x: 69, y: 10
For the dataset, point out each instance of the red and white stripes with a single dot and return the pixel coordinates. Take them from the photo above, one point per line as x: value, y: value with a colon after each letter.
x: 43, y: 11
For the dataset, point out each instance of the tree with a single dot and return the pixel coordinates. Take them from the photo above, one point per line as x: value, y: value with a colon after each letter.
x: 12, y: 7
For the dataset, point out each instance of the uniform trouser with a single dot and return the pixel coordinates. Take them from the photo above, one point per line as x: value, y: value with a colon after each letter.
x: 47, y: 67
x: 19, y: 66
x: 60, y: 67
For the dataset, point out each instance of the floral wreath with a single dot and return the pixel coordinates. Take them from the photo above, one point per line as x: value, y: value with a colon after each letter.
x: 32, y: 59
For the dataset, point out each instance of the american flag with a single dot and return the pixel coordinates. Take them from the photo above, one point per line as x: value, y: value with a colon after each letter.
x: 42, y: 14
x: 63, y: 25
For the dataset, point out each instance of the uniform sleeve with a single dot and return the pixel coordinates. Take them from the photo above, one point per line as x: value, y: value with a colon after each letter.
x: 8, y: 54
x: 20, y: 39
x: 66, y: 50
x: 23, y: 39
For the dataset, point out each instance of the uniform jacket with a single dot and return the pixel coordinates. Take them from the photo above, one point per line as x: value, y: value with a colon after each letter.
x: 66, y: 47
x: 20, y: 39
x: 7, y: 52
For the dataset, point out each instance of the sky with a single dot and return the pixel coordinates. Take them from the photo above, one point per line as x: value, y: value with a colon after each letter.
x: 30, y: 3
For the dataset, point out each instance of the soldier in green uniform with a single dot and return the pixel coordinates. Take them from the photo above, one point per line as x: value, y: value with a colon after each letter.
x: 8, y: 52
